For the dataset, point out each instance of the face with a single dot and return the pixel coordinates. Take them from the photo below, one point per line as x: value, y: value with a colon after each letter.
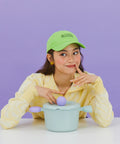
x: 66, y: 59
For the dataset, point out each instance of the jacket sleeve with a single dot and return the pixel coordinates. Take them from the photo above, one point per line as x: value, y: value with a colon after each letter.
x: 17, y: 106
x: 102, y: 109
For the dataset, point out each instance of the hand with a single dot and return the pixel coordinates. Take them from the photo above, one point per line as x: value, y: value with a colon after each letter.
x: 84, y: 78
x: 47, y: 93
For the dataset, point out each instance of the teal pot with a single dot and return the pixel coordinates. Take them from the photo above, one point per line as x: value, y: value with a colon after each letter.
x: 61, y: 118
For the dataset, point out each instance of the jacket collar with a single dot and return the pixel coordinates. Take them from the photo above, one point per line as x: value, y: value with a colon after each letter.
x: 50, y: 83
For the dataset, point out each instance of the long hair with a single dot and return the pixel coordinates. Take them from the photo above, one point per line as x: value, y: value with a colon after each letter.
x: 48, y: 69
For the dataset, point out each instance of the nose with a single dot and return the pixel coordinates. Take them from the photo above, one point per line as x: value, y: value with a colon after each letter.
x: 70, y: 58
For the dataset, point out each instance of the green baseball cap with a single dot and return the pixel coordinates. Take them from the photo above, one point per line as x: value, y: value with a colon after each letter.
x: 60, y: 39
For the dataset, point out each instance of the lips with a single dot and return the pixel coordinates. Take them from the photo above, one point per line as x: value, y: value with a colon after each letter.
x: 70, y: 66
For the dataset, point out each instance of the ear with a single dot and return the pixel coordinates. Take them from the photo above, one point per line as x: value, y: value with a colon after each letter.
x: 49, y: 57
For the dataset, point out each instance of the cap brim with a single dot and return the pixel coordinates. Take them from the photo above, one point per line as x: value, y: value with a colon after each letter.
x: 60, y: 47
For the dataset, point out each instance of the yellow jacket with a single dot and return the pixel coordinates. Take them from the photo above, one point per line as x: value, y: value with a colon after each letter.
x: 93, y: 94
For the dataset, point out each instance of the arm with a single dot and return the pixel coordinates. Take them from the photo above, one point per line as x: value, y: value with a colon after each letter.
x: 17, y: 107
x: 102, y: 109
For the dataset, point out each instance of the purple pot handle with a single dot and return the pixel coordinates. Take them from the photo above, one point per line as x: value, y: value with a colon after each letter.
x: 35, y: 109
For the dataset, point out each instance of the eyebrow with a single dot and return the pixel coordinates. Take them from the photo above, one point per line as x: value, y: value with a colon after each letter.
x: 66, y: 50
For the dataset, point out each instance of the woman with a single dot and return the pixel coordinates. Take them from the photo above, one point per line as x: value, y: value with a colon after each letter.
x: 62, y: 74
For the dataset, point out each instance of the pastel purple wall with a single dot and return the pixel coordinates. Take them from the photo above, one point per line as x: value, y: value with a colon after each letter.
x: 25, y: 26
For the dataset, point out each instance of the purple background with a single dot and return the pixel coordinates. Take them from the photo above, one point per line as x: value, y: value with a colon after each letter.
x: 25, y: 26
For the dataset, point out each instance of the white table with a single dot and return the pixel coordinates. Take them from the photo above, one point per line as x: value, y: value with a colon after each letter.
x: 30, y: 131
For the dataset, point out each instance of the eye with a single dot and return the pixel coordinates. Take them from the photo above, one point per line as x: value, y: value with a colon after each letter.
x: 76, y: 52
x: 63, y: 54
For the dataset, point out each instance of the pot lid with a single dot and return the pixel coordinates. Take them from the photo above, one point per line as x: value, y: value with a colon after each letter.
x: 69, y: 106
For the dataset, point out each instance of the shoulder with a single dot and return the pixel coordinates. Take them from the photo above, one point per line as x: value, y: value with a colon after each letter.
x: 98, y: 79
x: 89, y: 73
x: 36, y: 78
x: 32, y: 79
x: 36, y: 75
x: 39, y: 77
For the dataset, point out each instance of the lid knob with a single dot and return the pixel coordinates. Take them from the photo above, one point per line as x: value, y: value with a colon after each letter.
x: 61, y: 101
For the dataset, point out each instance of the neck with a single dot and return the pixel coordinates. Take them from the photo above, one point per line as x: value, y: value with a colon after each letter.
x: 63, y: 80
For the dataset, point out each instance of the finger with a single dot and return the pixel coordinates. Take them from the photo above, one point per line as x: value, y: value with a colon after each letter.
x: 52, y: 98
x: 50, y: 101
x: 77, y: 68
x: 57, y: 92
x: 77, y: 79
x: 49, y: 98
x: 81, y: 81
x: 55, y: 101
x: 78, y: 84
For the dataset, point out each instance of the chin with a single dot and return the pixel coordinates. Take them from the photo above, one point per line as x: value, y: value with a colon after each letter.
x: 70, y: 72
